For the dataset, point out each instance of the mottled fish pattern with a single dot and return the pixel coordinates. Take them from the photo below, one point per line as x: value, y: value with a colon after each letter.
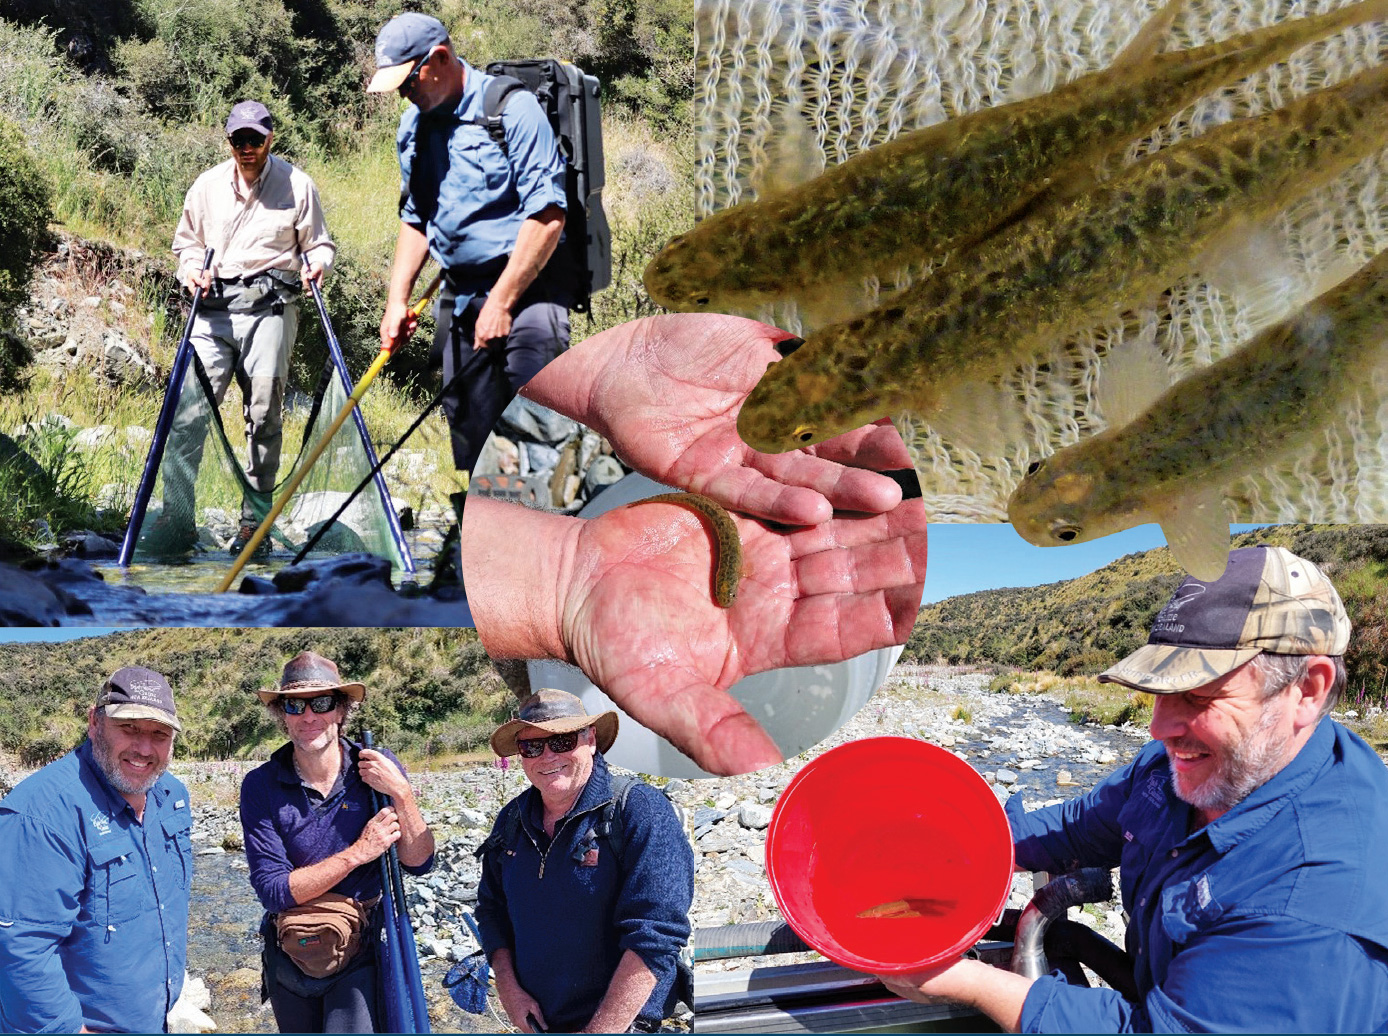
x: 944, y: 186
x: 727, y: 552
x: 1067, y: 266
x: 1223, y: 422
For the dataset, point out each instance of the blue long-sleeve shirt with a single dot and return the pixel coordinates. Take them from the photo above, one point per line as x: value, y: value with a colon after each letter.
x: 1272, y: 918
x: 288, y: 825
x: 469, y: 197
x: 568, y: 911
x: 93, y: 902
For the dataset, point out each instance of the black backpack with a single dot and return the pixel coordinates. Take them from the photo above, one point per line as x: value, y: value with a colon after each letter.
x: 569, y: 99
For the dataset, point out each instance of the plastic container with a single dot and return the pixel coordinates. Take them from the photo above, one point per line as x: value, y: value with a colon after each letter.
x: 889, y: 855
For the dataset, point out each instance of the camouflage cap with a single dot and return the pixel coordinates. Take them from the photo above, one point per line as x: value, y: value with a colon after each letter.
x: 1267, y: 600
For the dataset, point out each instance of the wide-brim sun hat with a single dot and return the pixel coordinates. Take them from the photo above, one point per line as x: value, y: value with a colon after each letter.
x: 554, y: 712
x: 308, y: 674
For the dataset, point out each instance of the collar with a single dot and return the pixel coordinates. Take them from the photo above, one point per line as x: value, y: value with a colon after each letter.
x: 258, y: 184
x: 284, y: 758
x: 1266, y: 801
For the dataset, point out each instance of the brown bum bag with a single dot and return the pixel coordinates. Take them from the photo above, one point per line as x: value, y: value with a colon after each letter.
x: 324, y: 934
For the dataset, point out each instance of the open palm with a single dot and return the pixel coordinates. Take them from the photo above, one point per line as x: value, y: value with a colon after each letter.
x: 638, y: 617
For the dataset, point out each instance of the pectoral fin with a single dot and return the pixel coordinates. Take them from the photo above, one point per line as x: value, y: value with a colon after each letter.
x: 1134, y: 374
x: 1197, y: 531
x: 985, y: 418
x: 1149, y: 38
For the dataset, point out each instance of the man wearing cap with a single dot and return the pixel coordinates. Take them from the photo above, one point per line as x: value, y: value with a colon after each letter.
x: 1251, y: 832
x: 490, y: 217
x: 587, y: 879
x: 310, y: 831
x: 95, y: 865
x: 264, y: 221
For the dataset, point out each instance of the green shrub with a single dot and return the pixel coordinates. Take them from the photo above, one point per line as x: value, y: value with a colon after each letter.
x: 25, y: 209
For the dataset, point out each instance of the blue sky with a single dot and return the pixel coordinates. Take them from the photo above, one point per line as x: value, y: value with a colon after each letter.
x: 966, y: 558
x: 27, y: 635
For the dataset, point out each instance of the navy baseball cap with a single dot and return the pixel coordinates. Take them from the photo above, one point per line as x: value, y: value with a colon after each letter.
x: 139, y: 693
x: 251, y: 115
x: 401, y: 42
x: 1267, y: 600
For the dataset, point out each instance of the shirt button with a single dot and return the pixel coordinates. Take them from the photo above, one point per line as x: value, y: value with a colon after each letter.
x: 152, y: 867
x: 1175, y: 853
x: 1144, y: 901
x: 1139, y: 951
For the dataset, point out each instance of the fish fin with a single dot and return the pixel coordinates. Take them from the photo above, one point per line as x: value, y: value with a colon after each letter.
x: 1134, y: 375
x: 794, y: 157
x: 1149, y: 38
x: 1197, y: 531
x: 835, y: 303
x: 1251, y: 264
x: 985, y: 418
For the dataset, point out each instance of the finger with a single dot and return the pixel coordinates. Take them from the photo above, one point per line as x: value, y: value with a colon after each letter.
x: 704, y: 723
x: 878, y: 565
x: 845, y: 488
x: 832, y: 627
x: 877, y: 446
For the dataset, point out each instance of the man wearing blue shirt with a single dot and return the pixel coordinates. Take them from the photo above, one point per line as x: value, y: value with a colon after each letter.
x: 1251, y: 833
x: 491, y: 217
x: 95, y: 866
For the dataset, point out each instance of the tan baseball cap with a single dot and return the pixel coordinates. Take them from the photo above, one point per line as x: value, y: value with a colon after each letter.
x: 1267, y: 600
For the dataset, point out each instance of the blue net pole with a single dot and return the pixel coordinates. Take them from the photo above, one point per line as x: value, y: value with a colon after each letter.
x: 161, y: 428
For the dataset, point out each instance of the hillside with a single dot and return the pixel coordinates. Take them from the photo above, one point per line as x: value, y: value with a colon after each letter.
x: 1083, y: 625
x: 430, y: 691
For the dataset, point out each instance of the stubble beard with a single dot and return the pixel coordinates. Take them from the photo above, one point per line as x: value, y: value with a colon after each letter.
x: 107, y: 759
x: 1249, y: 765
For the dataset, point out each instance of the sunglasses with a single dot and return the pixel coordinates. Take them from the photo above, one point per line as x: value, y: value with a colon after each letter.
x: 407, y: 84
x: 322, y: 703
x: 534, y: 747
x: 251, y: 140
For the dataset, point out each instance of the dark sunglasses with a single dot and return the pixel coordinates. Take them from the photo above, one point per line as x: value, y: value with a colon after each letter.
x: 407, y: 84
x: 240, y: 140
x: 321, y: 703
x: 534, y: 747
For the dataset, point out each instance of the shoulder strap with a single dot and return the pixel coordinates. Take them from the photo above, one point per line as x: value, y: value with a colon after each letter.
x: 494, y: 99
x: 506, y: 831
x: 610, y: 825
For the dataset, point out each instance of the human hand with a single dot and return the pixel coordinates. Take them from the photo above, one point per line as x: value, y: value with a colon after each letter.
x: 623, y: 382
x: 397, y: 325
x: 520, y: 1007
x: 493, y: 323
x: 626, y: 597
x: 380, y: 833
x: 383, y: 775
x: 311, y: 273
x: 197, y: 280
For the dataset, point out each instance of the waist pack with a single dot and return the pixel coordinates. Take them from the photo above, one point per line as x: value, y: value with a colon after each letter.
x: 324, y: 934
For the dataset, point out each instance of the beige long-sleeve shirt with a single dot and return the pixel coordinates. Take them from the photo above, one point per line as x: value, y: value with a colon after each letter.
x: 275, y: 225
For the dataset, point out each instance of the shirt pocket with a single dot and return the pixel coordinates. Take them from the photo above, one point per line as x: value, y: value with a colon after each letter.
x: 178, y: 845
x: 117, y: 891
x: 476, y: 163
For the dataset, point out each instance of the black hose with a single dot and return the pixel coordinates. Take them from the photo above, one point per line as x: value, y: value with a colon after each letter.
x: 1090, y: 885
x: 746, y: 940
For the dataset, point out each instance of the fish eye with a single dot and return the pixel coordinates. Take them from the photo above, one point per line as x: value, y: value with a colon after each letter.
x: 1066, y: 533
x: 804, y: 433
x: 1034, y: 467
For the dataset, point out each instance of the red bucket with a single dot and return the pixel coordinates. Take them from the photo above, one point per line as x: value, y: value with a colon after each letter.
x: 889, y: 855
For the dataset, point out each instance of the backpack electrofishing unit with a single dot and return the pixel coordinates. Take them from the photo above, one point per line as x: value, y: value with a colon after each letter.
x: 569, y: 99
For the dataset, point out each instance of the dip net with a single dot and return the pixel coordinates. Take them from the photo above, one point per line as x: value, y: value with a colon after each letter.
x: 196, y: 504
x: 840, y: 76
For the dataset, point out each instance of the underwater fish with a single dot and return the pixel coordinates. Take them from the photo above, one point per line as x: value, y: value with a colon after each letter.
x: 1065, y: 267
x: 925, y: 192
x: 909, y: 908
x: 1230, y: 419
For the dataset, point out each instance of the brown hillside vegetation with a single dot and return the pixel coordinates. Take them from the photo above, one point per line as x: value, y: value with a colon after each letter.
x: 1084, y: 625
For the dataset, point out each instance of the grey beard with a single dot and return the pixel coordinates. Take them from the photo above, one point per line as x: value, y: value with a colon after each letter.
x: 110, y: 766
x: 1251, y: 764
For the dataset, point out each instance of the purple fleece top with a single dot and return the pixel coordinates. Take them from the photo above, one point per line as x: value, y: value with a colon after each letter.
x: 289, y: 825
